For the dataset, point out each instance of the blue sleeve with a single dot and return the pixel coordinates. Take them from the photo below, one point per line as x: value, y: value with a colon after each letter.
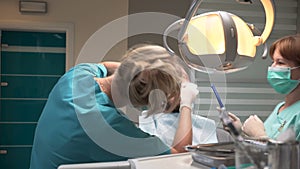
x: 96, y: 70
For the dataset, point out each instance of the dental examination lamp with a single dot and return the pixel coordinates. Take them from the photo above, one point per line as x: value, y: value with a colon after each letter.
x: 219, y: 41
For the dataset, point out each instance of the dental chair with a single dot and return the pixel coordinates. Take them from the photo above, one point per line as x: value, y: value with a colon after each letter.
x: 100, y: 165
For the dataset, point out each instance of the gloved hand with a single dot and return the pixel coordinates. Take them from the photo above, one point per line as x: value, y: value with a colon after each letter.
x: 254, y: 127
x: 235, y: 121
x: 188, y: 93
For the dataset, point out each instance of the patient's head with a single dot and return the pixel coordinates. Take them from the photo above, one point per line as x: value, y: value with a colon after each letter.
x: 149, y: 76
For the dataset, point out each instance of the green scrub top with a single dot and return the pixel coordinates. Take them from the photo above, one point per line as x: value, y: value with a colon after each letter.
x: 79, y: 124
x: 289, y: 117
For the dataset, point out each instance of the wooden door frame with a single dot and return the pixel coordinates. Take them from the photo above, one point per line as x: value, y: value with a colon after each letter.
x: 67, y: 28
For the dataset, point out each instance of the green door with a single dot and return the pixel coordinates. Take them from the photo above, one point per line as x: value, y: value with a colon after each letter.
x: 31, y: 63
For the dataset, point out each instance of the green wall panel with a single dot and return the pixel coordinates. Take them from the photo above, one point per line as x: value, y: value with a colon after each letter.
x: 21, y: 110
x: 17, y: 134
x: 43, y: 39
x: 33, y: 63
x: 27, y: 86
x: 16, y: 158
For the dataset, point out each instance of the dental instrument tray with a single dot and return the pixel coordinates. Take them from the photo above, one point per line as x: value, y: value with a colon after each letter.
x: 214, y: 154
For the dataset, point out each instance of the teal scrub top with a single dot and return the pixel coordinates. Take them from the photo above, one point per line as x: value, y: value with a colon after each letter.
x: 289, y: 117
x: 79, y: 124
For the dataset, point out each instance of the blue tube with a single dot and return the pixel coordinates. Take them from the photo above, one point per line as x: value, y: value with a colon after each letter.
x: 217, y: 95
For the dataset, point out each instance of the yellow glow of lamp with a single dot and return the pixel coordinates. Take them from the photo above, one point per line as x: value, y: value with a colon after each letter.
x: 219, y: 40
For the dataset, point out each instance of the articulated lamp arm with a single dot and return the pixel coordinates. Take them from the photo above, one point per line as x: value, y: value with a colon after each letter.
x: 270, y: 12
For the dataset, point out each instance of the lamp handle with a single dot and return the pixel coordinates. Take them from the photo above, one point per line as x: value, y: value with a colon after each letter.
x: 174, y: 26
x: 181, y: 24
x: 191, y: 12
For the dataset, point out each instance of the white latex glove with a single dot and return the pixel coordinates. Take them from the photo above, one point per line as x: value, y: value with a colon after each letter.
x: 188, y: 93
x: 254, y: 127
x: 235, y: 121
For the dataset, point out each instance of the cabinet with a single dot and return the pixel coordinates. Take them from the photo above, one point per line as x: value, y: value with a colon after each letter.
x: 31, y: 63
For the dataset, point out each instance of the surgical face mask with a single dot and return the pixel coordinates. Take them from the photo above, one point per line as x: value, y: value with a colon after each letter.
x: 280, y: 79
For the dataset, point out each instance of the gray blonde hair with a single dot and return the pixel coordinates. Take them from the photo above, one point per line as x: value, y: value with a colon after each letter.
x: 149, y: 76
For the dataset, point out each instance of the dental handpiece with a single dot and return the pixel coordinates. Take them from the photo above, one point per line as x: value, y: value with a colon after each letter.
x: 224, y: 115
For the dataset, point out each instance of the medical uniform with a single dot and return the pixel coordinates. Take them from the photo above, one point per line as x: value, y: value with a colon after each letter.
x: 79, y: 124
x: 289, y: 117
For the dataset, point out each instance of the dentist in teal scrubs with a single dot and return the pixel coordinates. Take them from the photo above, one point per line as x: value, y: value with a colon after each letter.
x: 284, y: 77
x: 90, y: 114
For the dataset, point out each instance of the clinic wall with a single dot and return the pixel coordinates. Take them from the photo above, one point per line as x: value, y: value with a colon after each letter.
x: 173, y: 8
x: 86, y: 16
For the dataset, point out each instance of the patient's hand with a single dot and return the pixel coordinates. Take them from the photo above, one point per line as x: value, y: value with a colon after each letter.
x: 254, y: 127
x: 188, y: 93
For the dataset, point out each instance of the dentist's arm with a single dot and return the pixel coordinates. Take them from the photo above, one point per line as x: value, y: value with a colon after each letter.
x: 184, y: 133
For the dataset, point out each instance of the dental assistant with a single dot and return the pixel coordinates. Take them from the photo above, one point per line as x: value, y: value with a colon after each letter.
x: 90, y: 113
x: 284, y: 77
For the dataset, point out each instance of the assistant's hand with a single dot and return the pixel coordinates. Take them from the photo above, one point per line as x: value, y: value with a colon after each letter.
x: 235, y: 121
x: 254, y: 127
x: 188, y: 93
